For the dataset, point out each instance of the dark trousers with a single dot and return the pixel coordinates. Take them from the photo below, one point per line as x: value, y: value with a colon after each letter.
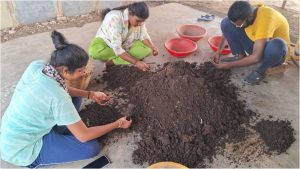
x: 60, y: 146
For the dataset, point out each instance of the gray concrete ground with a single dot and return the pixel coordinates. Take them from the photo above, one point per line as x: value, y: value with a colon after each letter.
x: 279, y: 97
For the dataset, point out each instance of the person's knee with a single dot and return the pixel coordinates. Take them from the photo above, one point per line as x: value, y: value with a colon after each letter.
x: 143, y: 54
x: 278, y: 43
x: 92, y: 148
x: 93, y: 53
x: 147, y: 51
x: 139, y: 50
x: 276, y: 47
x: 99, y: 50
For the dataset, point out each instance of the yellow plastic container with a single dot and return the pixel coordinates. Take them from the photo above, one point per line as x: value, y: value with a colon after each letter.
x: 167, y: 164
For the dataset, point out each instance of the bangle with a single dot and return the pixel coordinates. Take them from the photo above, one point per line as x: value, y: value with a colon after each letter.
x: 89, y: 94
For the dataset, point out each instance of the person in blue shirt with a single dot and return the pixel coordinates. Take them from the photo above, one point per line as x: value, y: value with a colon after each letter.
x: 41, y: 125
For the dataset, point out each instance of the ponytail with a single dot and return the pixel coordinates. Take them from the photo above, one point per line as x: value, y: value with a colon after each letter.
x: 59, y: 40
x: 66, y: 54
x: 139, y: 9
x: 105, y: 11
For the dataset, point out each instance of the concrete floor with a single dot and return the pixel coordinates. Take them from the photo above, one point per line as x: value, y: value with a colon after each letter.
x: 279, y: 97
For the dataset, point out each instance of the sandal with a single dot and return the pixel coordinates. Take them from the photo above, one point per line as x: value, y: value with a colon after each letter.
x: 253, y: 78
x: 207, y: 17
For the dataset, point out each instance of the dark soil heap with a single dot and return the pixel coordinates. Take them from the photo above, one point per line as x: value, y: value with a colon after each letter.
x: 95, y: 115
x: 277, y: 135
x: 181, y: 110
x: 123, y: 76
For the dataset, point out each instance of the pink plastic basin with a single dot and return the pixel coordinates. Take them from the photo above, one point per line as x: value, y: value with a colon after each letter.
x: 180, y: 47
x: 192, y: 32
x: 214, y: 43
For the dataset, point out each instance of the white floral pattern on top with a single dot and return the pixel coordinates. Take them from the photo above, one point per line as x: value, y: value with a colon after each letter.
x: 114, y: 31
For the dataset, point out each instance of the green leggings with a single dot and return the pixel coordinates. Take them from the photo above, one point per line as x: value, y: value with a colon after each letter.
x: 99, y: 50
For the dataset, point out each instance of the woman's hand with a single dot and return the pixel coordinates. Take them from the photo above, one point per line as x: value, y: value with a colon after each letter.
x: 99, y: 97
x: 142, y: 66
x: 154, y: 51
x: 123, y: 123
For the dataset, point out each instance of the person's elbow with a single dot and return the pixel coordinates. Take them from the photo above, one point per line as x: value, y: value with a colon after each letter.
x: 80, y: 131
x: 255, y: 59
x: 82, y: 138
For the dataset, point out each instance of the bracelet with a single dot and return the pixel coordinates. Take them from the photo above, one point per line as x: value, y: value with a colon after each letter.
x: 89, y: 92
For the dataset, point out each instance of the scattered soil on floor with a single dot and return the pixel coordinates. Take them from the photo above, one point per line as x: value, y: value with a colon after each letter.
x: 184, y: 113
x: 277, y: 135
x: 247, y: 150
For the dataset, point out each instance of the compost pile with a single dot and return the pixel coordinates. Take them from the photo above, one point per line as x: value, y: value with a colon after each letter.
x: 181, y: 110
x: 277, y: 135
x: 184, y: 110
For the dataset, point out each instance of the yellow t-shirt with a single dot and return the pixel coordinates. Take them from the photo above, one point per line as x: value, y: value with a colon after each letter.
x: 268, y: 24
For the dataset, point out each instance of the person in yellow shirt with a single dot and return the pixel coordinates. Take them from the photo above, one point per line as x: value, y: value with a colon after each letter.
x: 255, y: 34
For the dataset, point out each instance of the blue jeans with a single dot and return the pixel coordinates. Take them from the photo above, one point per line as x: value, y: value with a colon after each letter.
x: 60, y: 146
x: 274, y: 52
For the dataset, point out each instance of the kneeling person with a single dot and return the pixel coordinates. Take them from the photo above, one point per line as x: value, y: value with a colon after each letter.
x: 255, y: 34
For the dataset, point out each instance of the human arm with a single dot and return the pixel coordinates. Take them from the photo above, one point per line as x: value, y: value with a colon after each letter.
x: 98, y: 97
x: 149, y: 43
x: 217, y: 54
x: 144, y: 36
x: 255, y: 57
x: 139, y: 64
x: 84, y: 134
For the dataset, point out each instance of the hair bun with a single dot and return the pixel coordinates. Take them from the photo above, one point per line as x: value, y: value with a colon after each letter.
x: 59, y: 40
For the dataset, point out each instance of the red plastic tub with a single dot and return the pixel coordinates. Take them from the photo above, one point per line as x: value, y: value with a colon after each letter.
x: 192, y: 32
x: 180, y: 47
x: 214, y: 43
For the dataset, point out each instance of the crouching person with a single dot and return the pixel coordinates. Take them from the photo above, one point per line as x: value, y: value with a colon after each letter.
x: 122, y: 38
x: 41, y: 125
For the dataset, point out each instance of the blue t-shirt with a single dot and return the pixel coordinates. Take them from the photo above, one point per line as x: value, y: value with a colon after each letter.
x: 38, y: 103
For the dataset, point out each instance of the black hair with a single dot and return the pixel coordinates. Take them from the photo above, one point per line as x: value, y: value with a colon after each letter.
x: 139, y: 9
x: 66, y: 54
x: 239, y: 10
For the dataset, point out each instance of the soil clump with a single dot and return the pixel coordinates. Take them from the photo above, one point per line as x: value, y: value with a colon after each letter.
x: 277, y: 135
